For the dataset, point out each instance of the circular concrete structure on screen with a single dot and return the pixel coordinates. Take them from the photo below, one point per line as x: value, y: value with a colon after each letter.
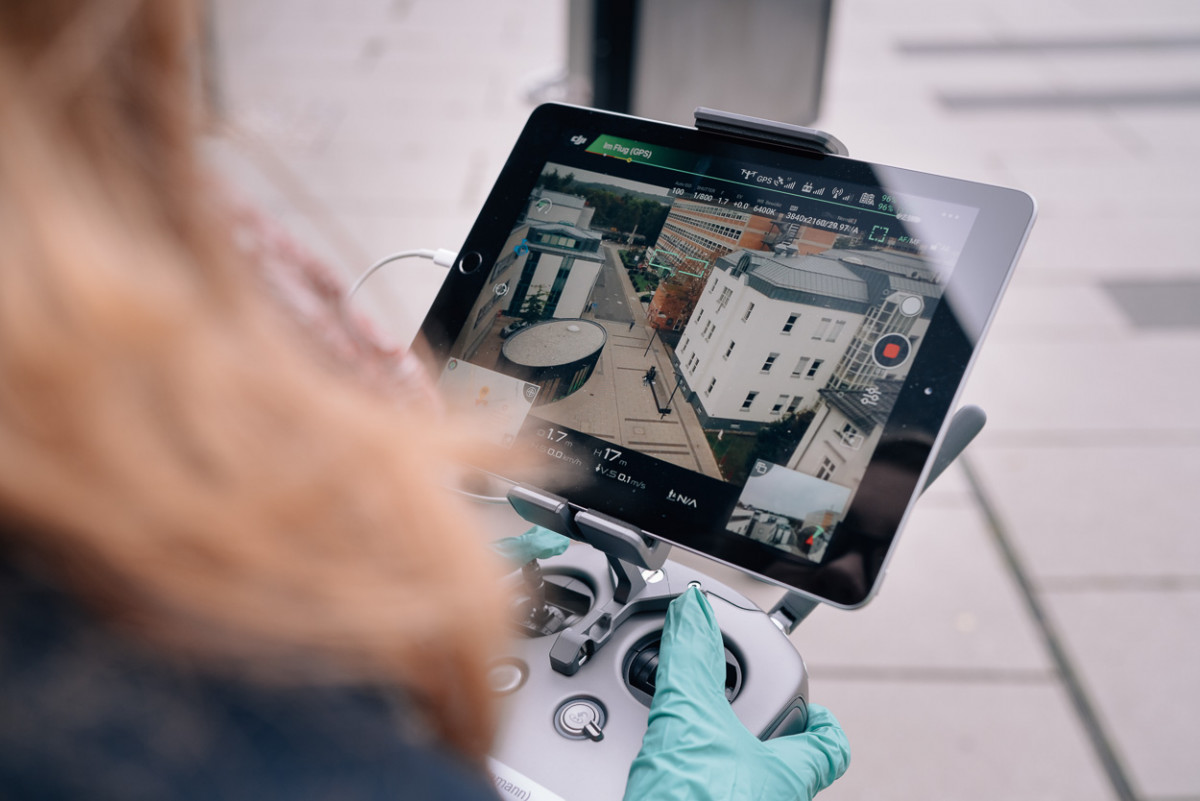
x: 557, y: 355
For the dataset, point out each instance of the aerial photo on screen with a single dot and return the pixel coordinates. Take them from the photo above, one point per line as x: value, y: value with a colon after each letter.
x: 720, y: 335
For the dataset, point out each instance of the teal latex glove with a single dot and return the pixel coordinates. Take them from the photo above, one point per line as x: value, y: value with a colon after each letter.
x: 695, y: 748
x: 537, y: 543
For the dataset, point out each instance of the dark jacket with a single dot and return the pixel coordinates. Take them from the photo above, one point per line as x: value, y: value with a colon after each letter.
x: 87, y: 713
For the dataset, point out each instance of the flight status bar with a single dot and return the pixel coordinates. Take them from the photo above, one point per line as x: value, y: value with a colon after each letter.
x: 936, y: 227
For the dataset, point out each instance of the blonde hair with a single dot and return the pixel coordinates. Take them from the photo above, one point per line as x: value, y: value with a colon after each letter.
x: 167, y: 443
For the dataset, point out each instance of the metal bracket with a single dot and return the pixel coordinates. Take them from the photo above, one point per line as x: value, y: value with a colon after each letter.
x: 791, y: 611
x: 964, y: 427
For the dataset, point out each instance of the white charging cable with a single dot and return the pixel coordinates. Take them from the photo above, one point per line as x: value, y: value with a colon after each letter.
x: 440, y: 257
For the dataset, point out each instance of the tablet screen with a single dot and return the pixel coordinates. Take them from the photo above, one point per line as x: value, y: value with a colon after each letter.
x: 745, y: 350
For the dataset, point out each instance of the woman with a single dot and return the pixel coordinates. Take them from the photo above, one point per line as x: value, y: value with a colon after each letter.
x: 207, y: 533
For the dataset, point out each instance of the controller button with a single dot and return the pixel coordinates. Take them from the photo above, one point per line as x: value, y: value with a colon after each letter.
x: 506, y: 676
x: 580, y: 718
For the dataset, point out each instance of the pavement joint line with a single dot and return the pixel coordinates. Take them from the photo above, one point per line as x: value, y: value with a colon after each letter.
x: 1060, y: 46
x: 1129, y: 584
x: 1101, y: 743
x: 934, y: 674
x: 1057, y: 101
x: 1175, y: 439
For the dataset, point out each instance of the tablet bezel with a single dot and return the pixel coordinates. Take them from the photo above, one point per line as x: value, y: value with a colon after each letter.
x: 868, y: 532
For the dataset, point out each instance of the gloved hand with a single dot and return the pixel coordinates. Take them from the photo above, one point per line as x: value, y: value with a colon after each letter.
x: 695, y: 748
x: 536, y: 543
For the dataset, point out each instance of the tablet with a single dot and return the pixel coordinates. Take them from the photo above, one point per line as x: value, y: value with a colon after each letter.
x: 746, y: 349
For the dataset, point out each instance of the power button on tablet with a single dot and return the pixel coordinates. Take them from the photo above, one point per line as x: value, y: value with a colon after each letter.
x: 470, y: 262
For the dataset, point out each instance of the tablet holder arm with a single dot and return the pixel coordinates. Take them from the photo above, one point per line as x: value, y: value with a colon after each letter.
x: 629, y: 552
x: 758, y: 130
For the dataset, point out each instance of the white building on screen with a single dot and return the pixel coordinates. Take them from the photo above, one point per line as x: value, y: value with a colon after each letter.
x: 770, y: 331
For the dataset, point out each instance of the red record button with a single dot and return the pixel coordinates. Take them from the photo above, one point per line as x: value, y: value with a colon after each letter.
x: 891, y: 351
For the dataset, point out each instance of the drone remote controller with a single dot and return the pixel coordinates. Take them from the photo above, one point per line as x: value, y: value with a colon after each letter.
x: 574, y: 735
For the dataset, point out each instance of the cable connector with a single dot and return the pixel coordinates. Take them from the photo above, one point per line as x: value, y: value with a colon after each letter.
x: 444, y: 258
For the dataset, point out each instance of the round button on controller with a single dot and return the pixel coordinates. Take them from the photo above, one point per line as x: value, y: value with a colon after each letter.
x: 580, y: 718
x: 507, y: 676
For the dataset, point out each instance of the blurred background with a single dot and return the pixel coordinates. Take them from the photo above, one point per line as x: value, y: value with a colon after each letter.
x: 1037, y: 635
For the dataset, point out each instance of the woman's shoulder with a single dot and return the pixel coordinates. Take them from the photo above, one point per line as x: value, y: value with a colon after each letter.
x: 85, y: 711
